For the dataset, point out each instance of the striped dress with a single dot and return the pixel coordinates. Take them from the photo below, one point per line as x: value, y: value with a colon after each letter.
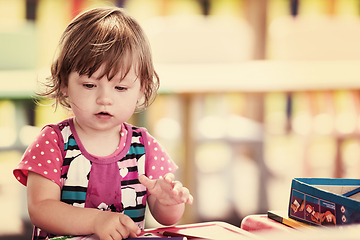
x: 106, y: 183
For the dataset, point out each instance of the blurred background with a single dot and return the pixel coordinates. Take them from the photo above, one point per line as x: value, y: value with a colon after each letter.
x: 238, y: 147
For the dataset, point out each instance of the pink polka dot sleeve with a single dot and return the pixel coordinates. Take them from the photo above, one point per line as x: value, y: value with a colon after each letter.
x: 43, y: 156
x: 158, y: 162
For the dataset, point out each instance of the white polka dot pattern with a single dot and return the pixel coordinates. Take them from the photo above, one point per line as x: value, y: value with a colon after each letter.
x: 43, y: 157
x: 157, y: 167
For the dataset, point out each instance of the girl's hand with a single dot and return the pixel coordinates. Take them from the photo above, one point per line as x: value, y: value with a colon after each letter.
x: 114, y: 226
x: 167, y: 191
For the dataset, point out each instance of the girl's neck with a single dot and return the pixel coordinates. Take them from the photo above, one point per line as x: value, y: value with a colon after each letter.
x: 98, y: 143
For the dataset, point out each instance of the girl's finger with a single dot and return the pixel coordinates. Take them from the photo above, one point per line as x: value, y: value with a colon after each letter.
x: 190, y: 199
x: 150, y: 184
x: 177, y: 186
x: 169, y: 177
x: 186, y: 197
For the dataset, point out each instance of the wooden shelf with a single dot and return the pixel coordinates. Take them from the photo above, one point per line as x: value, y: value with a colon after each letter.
x: 259, y: 76
x: 251, y: 76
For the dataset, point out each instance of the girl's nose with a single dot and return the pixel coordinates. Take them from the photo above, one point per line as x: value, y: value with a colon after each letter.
x: 104, y: 98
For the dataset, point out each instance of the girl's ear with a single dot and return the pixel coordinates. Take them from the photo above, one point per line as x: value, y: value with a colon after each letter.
x: 141, y: 93
x: 64, y: 91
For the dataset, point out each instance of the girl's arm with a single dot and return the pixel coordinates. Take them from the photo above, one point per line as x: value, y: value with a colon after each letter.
x: 50, y: 214
x: 167, y: 199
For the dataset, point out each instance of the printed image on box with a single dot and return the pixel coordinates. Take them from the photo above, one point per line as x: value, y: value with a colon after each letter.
x: 324, y: 201
x: 327, y: 213
x: 298, y: 204
x: 317, y: 211
x: 312, y: 209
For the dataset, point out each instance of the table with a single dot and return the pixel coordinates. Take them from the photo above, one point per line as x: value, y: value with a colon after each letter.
x: 205, y: 230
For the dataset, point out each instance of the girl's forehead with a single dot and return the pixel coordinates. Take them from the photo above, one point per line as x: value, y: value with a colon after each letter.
x: 118, y: 72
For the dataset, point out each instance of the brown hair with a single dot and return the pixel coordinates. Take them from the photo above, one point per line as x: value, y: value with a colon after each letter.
x: 102, y: 36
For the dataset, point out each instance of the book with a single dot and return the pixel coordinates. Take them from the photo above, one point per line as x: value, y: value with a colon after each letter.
x: 282, y: 217
x: 205, y: 230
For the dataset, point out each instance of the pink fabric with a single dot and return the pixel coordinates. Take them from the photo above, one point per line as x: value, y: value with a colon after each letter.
x: 44, y: 157
x: 158, y: 162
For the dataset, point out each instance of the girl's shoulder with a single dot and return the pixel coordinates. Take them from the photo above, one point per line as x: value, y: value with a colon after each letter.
x: 67, y: 123
x: 139, y: 135
x: 134, y: 131
x: 134, y: 128
x: 65, y: 127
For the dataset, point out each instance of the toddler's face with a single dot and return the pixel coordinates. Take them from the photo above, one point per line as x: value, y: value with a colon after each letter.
x: 100, y: 104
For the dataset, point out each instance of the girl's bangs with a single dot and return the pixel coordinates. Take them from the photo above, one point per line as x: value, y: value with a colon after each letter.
x: 115, y: 59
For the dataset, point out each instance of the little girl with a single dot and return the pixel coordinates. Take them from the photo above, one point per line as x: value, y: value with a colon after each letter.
x: 94, y: 173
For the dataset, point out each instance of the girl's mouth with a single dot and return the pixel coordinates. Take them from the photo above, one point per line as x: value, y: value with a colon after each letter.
x: 103, y: 114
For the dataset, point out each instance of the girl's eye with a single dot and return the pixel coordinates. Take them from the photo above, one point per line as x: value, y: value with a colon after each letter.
x: 89, y: 85
x: 120, y: 88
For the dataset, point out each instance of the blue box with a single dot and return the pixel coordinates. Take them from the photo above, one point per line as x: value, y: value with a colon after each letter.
x: 325, y: 201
